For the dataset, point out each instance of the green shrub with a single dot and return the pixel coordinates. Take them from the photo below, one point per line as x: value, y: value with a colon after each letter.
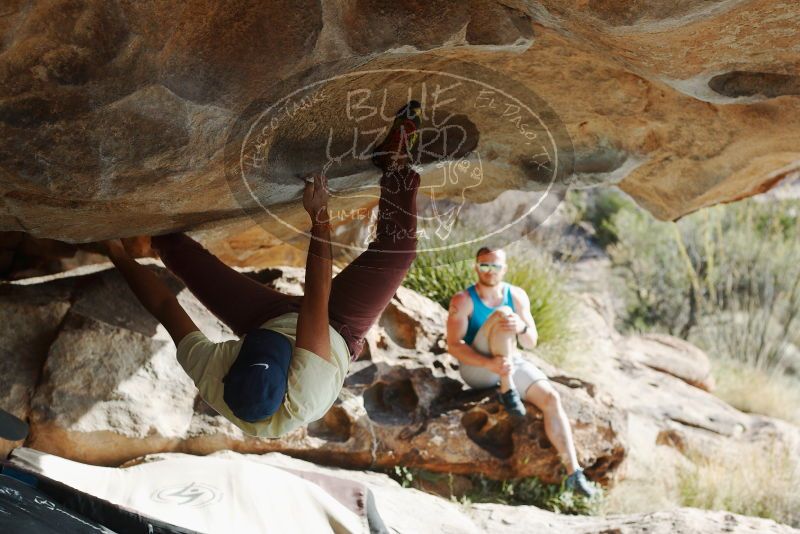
x: 727, y: 277
x: 403, y: 475
x: 598, y: 207
x: 440, y: 276
x: 552, y: 306
x: 531, y: 491
x: 477, y: 488
x: 657, y: 287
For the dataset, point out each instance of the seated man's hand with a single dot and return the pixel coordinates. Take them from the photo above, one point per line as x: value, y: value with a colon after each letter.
x: 499, y: 365
x: 511, y: 323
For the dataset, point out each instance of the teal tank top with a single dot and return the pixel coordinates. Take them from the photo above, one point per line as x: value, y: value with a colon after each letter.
x: 481, y: 312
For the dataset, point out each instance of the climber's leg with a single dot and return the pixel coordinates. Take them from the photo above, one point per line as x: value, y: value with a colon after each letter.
x: 360, y: 293
x: 237, y: 300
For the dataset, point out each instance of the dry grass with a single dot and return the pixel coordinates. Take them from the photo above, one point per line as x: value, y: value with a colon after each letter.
x: 650, y: 485
x: 749, y: 479
x: 754, y: 479
x: 755, y: 390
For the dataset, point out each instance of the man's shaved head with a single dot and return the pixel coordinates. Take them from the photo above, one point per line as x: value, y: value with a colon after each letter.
x: 491, y: 255
x: 490, y: 251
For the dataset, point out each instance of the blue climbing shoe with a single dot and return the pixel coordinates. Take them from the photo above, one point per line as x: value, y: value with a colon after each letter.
x: 577, y: 482
x: 512, y: 403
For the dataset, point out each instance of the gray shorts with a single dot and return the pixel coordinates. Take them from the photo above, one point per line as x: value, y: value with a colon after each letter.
x: 525, y: 374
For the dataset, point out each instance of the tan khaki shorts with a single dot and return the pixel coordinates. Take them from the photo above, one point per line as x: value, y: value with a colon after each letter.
x: 525, y: 375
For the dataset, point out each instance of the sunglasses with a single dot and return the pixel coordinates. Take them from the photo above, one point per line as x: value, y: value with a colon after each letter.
x: 490, y: 267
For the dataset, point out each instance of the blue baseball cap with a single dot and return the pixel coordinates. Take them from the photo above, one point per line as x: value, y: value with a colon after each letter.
x: 256, y: 382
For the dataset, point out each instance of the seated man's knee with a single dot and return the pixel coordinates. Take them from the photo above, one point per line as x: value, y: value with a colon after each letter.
x: 495, y: 317
x: 501, y: 312
x: 550, y: 398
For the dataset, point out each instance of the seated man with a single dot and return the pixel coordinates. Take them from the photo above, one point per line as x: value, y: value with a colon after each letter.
x: 290, y: 364
x: 483, y: 326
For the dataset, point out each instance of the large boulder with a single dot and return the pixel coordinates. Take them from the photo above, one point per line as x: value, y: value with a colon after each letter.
x: 115, y: 116
x: 673, y: 356
x: 97, y: 379
x: 110, y: 390
x: 670, y: 418
x: 30, y: 321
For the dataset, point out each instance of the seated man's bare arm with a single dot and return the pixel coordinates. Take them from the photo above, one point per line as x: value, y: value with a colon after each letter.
x: 522, y: 303
x: 457, y: 323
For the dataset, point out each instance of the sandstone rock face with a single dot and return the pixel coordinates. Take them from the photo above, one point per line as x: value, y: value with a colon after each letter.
x: 116, y: 117
x: 110, y: 390
x: 666, y: 415
x: 31, y: 320
x: 522, y: 519
x: 673, y: 356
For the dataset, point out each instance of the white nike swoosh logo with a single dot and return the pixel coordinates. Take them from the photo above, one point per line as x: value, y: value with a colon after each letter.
x: 266, y: 365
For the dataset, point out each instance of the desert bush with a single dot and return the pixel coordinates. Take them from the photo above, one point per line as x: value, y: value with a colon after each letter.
x: 727, y: 278
x: 552, y: 307
x: 756, y: 479
x: 598, y: 207
x: 440, y: 276
x: 656, y: 286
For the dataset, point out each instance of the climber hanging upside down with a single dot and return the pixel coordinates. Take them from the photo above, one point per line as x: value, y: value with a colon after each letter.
x: 292, y: 357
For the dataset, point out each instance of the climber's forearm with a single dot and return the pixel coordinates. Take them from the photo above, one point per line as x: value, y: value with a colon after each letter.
x: 151, y: 291
x: 154, y: 295
x: 312, y: 322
